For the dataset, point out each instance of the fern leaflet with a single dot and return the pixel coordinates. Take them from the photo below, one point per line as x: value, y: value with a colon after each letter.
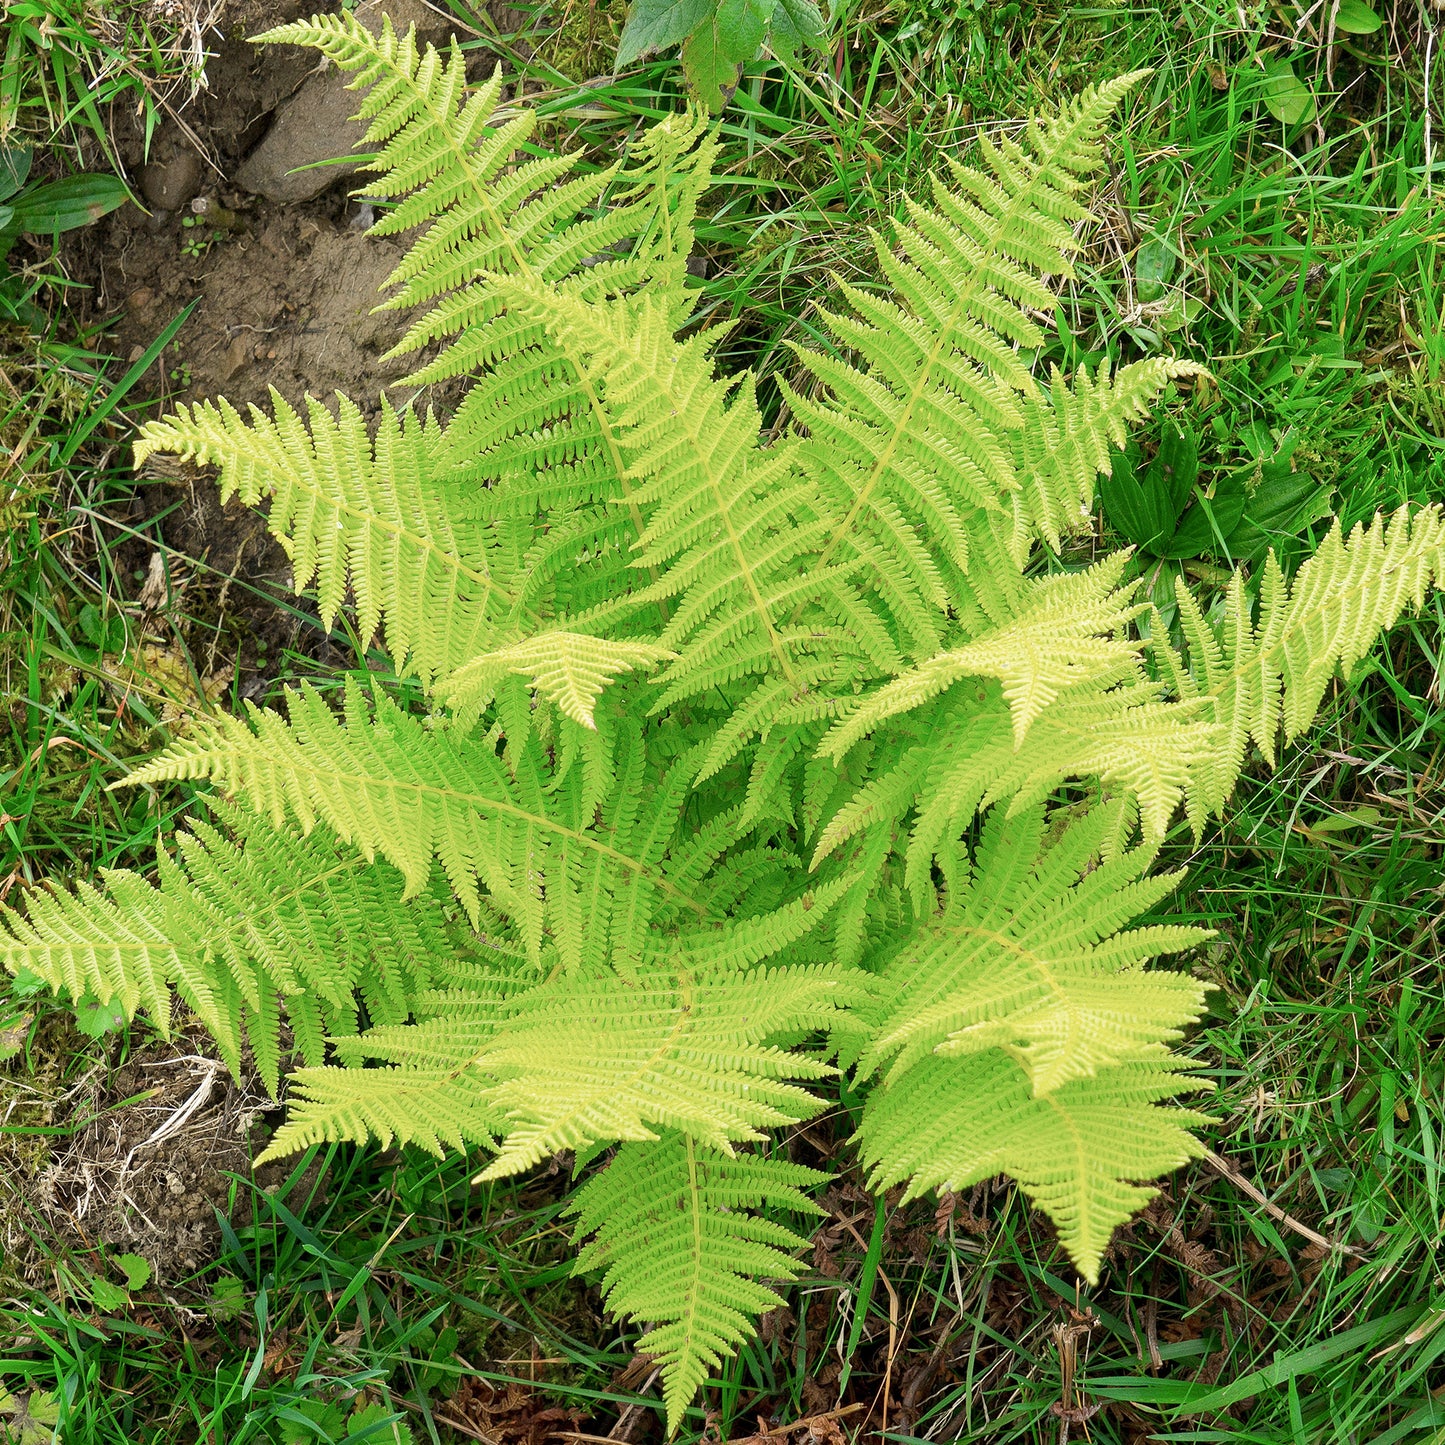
x: 676, y: 1232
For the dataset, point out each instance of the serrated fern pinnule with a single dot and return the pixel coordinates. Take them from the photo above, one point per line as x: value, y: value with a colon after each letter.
x: 1254, y: 677
x: 1028, y: 957
x: 393, y: 787
x: 949, y: 1123
x: 683, y: 1249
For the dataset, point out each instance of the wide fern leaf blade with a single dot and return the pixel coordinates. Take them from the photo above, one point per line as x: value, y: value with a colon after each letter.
x: 1029, y: 957
x: 589, y: 1061
x: 236, y: 924
x: 913, y: 439
x: 394, y: 787
x: 1254, y: 678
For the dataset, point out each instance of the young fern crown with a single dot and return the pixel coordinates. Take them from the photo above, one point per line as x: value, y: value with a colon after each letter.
x: 745, y: 747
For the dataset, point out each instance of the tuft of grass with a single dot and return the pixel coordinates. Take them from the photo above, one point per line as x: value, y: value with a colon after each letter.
x: 65, y: 63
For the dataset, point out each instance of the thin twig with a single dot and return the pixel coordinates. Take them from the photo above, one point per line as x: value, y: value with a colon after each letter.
x: 621, y: 1430
x: 1246, y: 1186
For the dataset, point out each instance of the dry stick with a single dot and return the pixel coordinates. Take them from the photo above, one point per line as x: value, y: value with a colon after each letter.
x: 460, y: 1426
x: 808, y: 1422
x: 1225, y: 1168
x: 622, y: 1429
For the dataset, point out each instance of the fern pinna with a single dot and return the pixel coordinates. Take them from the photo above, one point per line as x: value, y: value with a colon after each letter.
x: 713, y: 714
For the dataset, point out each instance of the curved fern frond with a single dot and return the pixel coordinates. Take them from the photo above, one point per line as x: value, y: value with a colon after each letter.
x: 1064, y: 443
x: 683, y: 1248
x: 1069, y: 630
x: 589, y: 1061
x: 1028, y: 957
x: 440, y: 1104
x: 356, y: 511
x: 570, y: 669
x: 248, y: 930
x: 452, y: 156
x: 578, y: 1062
x: 947, y: 1123
x: 730, y: 525
x: 394, y: 787
x: 916, y: 436
x: 1256, y: 679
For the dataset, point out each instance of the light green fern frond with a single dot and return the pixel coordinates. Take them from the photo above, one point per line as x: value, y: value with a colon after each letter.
x: 1065, y: 443
x: 577, y: 1062
x: 588, y: 1061
x: 549, y: 858
x: 248, y: 930
x: 949, y: 1122
x: 570, y: 669
x: 1028, y: 957
x: 440, y: 1103
x: 356, y: 511
x: 683, y: 1248
x: 452, y: 156
x: 395, y: 524
x: 729, y: 523
x: 1069, y: 629
x: 940, y: 418
x: 1254, y: 678
x: 1086, y: 716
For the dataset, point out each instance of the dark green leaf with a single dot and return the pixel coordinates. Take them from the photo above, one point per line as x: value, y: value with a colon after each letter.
x: 14, y: 169
x: 1177, y: 464
x: 795, y: 25
x: 1283, y: 505
x: 1138, y: 505
x: 1208, y: 523
x: 1146, y: 506
x: 654, y: 25
x: 65, y: 204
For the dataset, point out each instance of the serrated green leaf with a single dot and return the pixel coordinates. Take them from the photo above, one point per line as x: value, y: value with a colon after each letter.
x: 713, y: 56
x: 97, y: 1019
x: 137, y: 1271
x: 795, y: 25
x: 654, y: 25
x: 227, y: 1298
x: 107, y: 1297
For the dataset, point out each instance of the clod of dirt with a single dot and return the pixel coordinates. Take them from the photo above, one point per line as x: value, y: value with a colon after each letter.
x: 171, y: 180
x: 155, y: 1143
x: 287, y: 304
x: 316, y: 126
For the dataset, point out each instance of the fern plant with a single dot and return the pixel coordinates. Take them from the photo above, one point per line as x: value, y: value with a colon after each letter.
x: 743, y: 753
